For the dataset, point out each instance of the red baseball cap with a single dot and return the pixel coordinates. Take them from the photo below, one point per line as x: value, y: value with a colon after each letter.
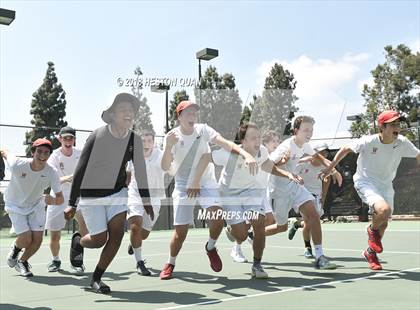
x: 42, y: 142
x: 184, y: 105
x: 388, y: 117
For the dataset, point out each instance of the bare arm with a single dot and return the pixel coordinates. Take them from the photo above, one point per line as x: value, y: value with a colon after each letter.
x: 234, y: 148
x: 269, y: 167
x: 58, y: 200
x: 167, y: 158
x: 338, y: 157
x: 4, y: 154
x: 194, y: 189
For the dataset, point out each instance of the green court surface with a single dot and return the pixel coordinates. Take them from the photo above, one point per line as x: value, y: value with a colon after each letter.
x: 294, y: 283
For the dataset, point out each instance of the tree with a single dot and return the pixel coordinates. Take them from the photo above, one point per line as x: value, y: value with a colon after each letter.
x: 396, y: 85
x: 220, y: 104
x: 48, y: 108
x: 179, y: 96
x: 275, y: 109
x: 142, y: 120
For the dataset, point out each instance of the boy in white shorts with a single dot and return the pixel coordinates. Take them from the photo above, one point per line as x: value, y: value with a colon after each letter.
x: 377, y: 164
x: 139, y: 222
x: 242, y: 193
x: 64, y: 160
x: 25, y: 201
x: 288, y: 194
x: 271, y: 141
x: 100, y: 181
x: 309, y: 170
x: 183, y: 148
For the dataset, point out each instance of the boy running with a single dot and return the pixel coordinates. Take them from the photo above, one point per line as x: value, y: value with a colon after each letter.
x: 377, y: 164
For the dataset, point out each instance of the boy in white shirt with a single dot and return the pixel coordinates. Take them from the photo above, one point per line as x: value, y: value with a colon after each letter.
x: 139, y: 221
x: 183, y: 148
x: 25, y: 201
x: 287, y: 194
x: 377, y: 164
x: 309, y: 170
x: 64, y: 160
x: 243, y: 194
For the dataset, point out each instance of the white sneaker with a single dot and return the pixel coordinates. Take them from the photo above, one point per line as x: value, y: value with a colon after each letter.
x: 78, y: 270
x: 237, y: 254
x: 24, y: 269
x: 258, y: 272
x: 10, y: 260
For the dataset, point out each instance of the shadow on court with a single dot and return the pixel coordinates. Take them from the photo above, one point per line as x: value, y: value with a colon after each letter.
x: 158, y: 297
x: 17, y: 307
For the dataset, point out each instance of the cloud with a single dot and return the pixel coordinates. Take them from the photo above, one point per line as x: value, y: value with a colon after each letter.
x: 319, y: 82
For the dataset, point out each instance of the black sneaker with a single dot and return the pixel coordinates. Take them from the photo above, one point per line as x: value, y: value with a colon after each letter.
x: 130, y: 250
x: 142, y: 269
x: 76, y: 256
x: 54, y: 266
x: 24, y: 269
x: 100, y: 287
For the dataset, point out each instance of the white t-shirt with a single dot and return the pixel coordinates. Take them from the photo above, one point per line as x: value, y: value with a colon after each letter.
x: 182, y: 151
x: 296, y: 153
x: 155, y: 176
x: 378, y: 162
x: 65, y: 165
x: 240, y: 179
x: 309, y: 174
x: 26, y: 187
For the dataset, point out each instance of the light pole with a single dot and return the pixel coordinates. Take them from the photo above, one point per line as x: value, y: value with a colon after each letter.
x: 7, y: 16
x: 204, y: 54
x: 163, y: 88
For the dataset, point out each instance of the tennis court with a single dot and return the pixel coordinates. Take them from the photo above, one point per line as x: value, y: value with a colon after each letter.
x: 293, y: 282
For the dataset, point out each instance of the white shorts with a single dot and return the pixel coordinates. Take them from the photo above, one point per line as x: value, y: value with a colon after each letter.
x: 97, y: 212
x: 55, y: 220
x: 184, y: 206
x: 244, y: 206
x: 33, y: 221
x: 296, y: 196
x: 267, y: 202
x: 138, y: 210
x: 318, y: 205
x: 371, y: 194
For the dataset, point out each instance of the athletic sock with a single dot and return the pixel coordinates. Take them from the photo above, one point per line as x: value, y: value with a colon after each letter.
x: 137, y: 254
x: 56, y: 258
x: 79, y: 247
x: 257, y: 261
x: 307, y: 244
x: 97, y: 274
x: 211, y: 244
x: 172, y: 260
x: 318, y: 251
x: 16, y: 251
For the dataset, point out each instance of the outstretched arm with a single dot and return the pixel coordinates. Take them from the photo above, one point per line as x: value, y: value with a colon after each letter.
x: 234, y: 148
x: 194, y: 189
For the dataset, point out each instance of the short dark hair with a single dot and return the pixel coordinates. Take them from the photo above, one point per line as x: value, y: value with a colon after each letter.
x: 269, y: 135
x: 244, y: 128
x: 302, y: 119
x: 145, y: 133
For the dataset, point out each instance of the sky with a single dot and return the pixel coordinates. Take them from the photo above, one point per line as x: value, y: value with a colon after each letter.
x: 329, y: 46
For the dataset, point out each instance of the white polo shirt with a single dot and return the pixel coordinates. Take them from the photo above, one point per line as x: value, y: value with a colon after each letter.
x: 378, y: 162
x: 26, y: 187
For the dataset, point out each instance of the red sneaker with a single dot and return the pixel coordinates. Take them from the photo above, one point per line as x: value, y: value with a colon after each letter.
x: 373, y: 260
x: 374, y: 241
x: 166, y: 272
x: 215, y: 261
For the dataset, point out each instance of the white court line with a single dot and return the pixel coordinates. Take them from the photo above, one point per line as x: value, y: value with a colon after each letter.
x: 288, y: 290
